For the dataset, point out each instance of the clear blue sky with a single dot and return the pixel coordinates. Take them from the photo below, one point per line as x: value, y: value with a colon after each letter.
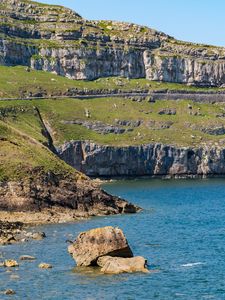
x: 201, y: 21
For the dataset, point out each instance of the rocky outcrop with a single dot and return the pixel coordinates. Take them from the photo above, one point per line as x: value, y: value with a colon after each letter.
x: 107, y: 248
x: 99, y: 127
x: 92, y: 244
x: 117, y: 265
x: 58, y: 40
x: 184, y: 69
x: 144, y: 160
x: 45, y: 191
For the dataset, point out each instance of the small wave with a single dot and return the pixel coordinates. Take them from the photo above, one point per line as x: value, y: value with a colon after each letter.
x: 192, y: 264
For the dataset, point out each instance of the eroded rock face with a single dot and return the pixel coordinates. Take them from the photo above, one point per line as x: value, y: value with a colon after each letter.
x: 191, y: 69
x: 66, y: 192
x: 117, y: 265
x: 150, y: 160
x: 91, y: 245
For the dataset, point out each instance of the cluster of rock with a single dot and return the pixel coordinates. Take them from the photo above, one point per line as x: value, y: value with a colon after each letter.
x: 157, y: 125
x: 99, y: 127
x: 107, y: 248
x: 15, y: 232
x: 58, y: 40
x: 12, y: 263
x: 168, y: 111
x: 129, y: 123
x: 143, y: 160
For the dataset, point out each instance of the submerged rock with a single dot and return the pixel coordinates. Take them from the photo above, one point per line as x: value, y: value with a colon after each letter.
x: 116, y: 265
x: 91, y: 245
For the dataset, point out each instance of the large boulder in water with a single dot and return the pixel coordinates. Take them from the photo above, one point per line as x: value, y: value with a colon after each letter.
x: 117, y: 265
x: 91, y: 245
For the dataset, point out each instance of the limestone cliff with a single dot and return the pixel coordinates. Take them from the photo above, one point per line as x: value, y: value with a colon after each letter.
x: 143, y: 160
x: 58, y: 40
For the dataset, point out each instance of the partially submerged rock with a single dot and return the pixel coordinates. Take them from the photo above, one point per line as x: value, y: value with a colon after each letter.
x: 9, y: 292
x: 36, y: 235
x: 91, y: 245
x: 45, y: 266
x: 27, y: 257
x: 117, y: 265
x: 10, y: 263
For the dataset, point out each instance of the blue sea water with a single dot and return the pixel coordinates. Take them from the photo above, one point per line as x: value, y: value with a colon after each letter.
x: 181, y: 232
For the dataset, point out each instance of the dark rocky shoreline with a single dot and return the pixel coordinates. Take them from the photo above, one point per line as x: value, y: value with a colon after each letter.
x: 17, y: 232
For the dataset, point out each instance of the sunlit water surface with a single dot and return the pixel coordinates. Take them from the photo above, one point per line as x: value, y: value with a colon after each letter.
x: 181, y: 232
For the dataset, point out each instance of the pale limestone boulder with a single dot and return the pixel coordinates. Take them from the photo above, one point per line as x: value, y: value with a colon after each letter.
x: 11, y: 263
x: 45, y: 266
x: 117, y: 265
x: 91, y: 245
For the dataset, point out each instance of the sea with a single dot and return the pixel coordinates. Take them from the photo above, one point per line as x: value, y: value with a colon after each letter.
x: 180, y: 231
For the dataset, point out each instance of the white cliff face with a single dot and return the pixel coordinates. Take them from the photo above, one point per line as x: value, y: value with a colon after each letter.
x: 189, y: 70
x: 143, y: 160
x: 90, y: 63
x: 58, y: 40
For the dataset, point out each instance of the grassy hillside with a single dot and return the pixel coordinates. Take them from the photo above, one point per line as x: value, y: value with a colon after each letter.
x: 22, y: 147
x: 185, y: 128
x: 17, y: 82
x: 23, y: 142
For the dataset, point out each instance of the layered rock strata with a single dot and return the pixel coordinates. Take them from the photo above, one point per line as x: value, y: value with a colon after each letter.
x: 144, y: 160
x: 56, y: 39
x: 49, y: 191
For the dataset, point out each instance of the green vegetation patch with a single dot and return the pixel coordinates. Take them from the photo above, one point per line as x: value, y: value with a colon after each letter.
x: 17, y: 82
x: 184, y: 128
x: 22, y: 146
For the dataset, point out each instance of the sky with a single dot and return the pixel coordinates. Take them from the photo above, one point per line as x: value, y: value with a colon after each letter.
x: 200, y: 21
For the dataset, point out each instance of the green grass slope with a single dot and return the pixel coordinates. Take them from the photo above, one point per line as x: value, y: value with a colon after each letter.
x: 23, y: 150
x: 17, y: 82
x: 185, y: 128
x: 23, y: 142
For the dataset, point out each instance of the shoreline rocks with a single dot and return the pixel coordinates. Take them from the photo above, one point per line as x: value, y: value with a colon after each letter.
x: 9, y: 232
x: 107, y: 248
x: 58, y: 195
x: 15, y: 232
